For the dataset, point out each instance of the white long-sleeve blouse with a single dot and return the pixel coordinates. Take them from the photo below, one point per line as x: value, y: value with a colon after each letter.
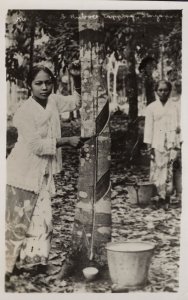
x: 161, y: 123
x: 35, y: 149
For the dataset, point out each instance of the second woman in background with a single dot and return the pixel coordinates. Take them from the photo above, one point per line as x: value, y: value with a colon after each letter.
x: 162, y: 134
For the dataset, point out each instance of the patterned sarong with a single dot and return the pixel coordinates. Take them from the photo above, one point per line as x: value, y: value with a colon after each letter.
x: 28, y: 227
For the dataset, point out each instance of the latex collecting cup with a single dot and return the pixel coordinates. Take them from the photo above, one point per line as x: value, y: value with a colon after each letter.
x: 90, y: 273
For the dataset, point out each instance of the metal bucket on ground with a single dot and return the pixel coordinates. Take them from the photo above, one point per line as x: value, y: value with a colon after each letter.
x: 140, y: 193
x: 128, y: 264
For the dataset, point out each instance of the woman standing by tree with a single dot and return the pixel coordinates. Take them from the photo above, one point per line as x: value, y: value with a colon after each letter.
x: 30, y: 168
x: 162, y: 134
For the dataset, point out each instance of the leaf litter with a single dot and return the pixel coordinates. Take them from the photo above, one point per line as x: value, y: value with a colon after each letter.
x: 129, y: 223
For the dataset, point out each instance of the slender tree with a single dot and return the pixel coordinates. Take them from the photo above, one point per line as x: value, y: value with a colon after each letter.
x: 92, y: 225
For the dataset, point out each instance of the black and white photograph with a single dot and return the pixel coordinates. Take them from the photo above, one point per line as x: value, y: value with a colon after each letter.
x: 93, y: 190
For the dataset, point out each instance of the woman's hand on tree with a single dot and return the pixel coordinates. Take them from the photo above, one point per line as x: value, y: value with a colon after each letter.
x: 74, y: 141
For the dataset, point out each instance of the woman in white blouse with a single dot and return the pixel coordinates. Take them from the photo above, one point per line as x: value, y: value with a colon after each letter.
x: 162, y: 134
x: 31, y: 165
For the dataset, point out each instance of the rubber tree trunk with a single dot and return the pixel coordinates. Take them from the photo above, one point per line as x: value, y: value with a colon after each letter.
x: 131, y: 88
x: 31, y: 50
x: 92, y: 225
x: 149, y: 89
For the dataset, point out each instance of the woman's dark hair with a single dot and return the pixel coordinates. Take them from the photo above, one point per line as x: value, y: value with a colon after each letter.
x: 168, y: 84
x: 146, y: 61
x: 35, y: 70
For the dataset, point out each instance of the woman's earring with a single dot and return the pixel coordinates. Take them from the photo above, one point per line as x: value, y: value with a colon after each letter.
x: 30, y: 92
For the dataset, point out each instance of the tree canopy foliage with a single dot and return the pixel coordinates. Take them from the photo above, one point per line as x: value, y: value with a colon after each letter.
x: 146, y: 32
x: 35, y: 36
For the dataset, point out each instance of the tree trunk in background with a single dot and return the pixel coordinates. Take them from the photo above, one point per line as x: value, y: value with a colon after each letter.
x: 149, y: 89
x: 131, y: 85
x: 56, y: 72
x: 131, y: 90
x: 92, y: 225
x: 33, y: 25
